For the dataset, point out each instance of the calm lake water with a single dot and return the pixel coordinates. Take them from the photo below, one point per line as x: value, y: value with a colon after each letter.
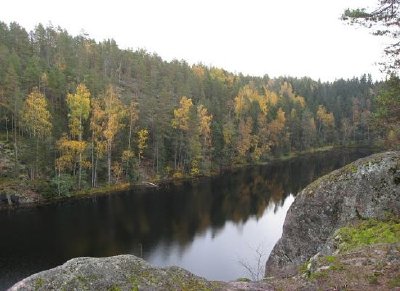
x: 210, y: 226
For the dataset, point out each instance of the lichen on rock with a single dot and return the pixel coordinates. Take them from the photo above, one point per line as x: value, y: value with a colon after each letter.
x: 124, y: 272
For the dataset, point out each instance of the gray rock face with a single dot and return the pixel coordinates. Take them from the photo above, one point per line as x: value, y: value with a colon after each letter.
x: 124, y: 272
x: 366, y: 188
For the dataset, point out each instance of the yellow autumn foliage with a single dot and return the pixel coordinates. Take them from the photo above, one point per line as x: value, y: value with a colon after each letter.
x: 181, y: 115
x: 35, y: 116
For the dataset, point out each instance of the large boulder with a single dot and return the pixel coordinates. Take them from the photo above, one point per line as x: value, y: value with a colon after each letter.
x: 124, y: 272
x: 366, y: 188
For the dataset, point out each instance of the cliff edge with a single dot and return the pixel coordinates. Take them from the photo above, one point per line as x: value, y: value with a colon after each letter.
x: 365, y: 191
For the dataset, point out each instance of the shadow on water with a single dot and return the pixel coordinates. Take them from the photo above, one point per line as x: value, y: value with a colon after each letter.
x: 154, y: 222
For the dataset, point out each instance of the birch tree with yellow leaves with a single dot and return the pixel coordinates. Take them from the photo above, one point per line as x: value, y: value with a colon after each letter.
x: 205, y: 119
x: 180, y: 122
x: 114, y: 113
x: 143, y: 136
x: 276, y: 130
x: 128, y: 154
x: 79, y: 109
x: 98, y: 143
x: 326, y: 122
x: 36, y: 119
x: 251, y: 110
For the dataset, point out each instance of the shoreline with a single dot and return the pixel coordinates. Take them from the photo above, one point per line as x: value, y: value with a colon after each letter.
x: 121, y: 187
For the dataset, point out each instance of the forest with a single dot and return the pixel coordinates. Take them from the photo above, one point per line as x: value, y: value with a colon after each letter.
x: 78, y: 114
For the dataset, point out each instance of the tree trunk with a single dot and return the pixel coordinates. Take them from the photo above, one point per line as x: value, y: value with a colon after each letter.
x: 58, y: 183
x: 14, y: 121
x: 37, y: 159
x: 109, y: 162
x: 6, y: 129
x: 95, y: 172
x: 175, y: 156
x: 157, y: 157
x: 93, y: 162
x: 80, y: 154
x: 80, y: 171
x: 130, y: 135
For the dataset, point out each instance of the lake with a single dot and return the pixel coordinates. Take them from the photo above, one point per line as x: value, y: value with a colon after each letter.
x: 213, y: 227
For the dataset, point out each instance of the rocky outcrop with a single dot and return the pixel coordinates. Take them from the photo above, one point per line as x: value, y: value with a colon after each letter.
x: 14, y: 191
x: 124, y: 272
x: 366, y: 188
x: 17, y: 195
x: 371, y: 267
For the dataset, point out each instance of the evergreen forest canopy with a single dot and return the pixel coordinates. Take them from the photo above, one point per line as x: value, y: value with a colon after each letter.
x: 77, y: 113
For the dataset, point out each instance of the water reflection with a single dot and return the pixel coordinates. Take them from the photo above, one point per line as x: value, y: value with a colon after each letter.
x: 205, y: 226
x: 218, y: 254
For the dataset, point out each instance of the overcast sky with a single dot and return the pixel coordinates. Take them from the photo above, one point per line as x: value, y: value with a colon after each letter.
x: 255, y: 37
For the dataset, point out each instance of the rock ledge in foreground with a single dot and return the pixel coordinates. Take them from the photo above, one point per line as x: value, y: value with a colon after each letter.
x: 124, y: 272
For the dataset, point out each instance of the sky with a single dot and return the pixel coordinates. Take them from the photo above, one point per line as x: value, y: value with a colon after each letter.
x: 253, y: 37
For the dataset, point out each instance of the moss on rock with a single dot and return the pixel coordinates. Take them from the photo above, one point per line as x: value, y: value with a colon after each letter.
x: 371, y: 231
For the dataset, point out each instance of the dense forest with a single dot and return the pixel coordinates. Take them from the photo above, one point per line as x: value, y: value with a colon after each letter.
x: 77, y: 113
